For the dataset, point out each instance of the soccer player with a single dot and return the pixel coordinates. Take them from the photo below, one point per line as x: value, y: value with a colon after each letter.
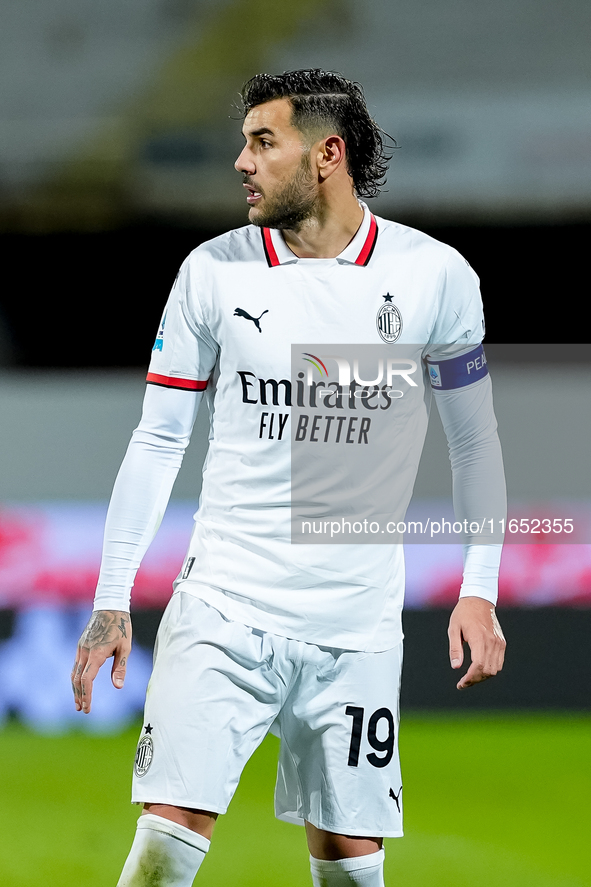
x: 262, y: 634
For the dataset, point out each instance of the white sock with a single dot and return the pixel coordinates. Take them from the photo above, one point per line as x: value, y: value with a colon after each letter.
x: 163, y: 854
x: 366, y: 870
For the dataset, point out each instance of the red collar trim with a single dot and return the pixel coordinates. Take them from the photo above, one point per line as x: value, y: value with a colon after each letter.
x: 362, y: 259
x: 370, y: 243
x: 270, y: 254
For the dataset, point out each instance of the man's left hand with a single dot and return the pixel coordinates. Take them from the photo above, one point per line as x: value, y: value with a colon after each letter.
x: 474, y: 620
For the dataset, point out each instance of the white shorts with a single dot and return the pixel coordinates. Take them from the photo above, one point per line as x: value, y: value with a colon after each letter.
x: 218, y: 687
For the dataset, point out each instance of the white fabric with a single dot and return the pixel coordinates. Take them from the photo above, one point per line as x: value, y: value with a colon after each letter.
x: 347, y: 596
x: 481, y: 571
x: 366, y: 870
x: 175, y: 829
x: 142, y: 490
x: 163, y: 852
x: 479, y: 491
x: 217, y: 689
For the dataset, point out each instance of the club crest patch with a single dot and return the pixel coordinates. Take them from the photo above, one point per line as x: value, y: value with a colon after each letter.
x: 144, y: 756
x: 389, y: 320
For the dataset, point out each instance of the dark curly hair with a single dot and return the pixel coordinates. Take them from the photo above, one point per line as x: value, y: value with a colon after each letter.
x: 324, y: 100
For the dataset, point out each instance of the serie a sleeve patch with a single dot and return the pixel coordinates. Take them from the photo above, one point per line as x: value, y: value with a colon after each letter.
x: 458, y: 372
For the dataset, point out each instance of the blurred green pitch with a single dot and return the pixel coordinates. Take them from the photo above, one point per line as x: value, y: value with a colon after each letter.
x: 490, y: 801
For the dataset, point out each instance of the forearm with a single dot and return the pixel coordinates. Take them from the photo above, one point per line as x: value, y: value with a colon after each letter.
x: 137, y: 505
x: 142, y: 490
x: 478, y: 483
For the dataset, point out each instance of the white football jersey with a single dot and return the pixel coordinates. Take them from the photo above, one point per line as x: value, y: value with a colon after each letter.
x: 238, y: 305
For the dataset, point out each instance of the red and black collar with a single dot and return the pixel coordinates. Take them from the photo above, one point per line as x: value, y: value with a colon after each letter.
x: 273, y: 246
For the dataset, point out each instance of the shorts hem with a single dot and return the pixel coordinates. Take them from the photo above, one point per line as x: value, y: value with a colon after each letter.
x: 191, y: 805
x: 353, y: 831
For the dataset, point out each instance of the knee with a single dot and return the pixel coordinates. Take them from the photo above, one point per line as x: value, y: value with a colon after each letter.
x: 199, y: 821
x: 331, y: 846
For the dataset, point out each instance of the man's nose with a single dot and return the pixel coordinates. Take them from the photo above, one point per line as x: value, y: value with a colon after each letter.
x: 245, y: 163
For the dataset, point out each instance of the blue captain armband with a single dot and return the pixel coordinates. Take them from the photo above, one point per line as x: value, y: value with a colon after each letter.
x: 458, y: 372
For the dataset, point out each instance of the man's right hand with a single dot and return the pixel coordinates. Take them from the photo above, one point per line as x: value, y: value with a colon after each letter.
x: 108, y: 633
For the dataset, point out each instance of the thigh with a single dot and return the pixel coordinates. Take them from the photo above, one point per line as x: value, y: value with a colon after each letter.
x: 212, y: 696
x: 339, y: 765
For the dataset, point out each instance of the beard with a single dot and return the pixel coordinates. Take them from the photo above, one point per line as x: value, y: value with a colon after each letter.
x: 294, y: 204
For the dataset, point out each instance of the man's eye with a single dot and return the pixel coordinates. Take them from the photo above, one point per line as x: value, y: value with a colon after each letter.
x: 265, y: 143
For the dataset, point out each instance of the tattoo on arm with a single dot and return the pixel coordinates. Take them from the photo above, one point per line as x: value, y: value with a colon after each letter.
x: 105, y: 627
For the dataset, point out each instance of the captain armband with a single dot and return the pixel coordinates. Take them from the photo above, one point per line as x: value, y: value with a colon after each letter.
x: 458, y: 372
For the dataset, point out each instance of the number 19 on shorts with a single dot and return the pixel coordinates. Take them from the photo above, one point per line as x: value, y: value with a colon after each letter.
x: 375, y: 725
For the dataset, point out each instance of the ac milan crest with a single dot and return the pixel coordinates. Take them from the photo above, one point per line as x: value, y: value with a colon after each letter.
x: 389, y: 320
x: 143, y: 756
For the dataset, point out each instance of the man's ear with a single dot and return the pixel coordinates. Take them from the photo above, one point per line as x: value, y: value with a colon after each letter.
x: 330, y: 156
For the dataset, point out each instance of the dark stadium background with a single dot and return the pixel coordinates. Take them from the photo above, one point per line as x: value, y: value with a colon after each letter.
x: 94, y: 299
x: 119, y: 134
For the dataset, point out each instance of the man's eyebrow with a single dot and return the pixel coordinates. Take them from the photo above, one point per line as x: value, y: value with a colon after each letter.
x: 263, y: 131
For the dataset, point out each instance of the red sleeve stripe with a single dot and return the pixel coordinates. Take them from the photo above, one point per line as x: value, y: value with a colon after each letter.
x: 174, y: 382
x: 270, y: 254
x: 369, y: 245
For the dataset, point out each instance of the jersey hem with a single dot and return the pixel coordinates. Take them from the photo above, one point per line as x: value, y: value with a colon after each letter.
x: 235, y: 613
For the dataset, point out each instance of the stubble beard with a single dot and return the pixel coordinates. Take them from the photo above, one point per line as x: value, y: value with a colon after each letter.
x: 293, y: 205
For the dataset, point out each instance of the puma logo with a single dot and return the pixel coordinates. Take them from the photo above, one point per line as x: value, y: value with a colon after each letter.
x: 240, y: 312
x: 396, y: 797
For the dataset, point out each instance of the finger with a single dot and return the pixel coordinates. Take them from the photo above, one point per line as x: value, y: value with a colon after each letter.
x: 76, y: 676
x: 497, y: 656
x: 73, y: 682
x: 500, y: 642
x: 478, y: 657
x: 95, y: 660
x: 474, y: 675
x: 119, y: 669
x: 484, y: 664
x: 477, y: 672
x: 456, y: 647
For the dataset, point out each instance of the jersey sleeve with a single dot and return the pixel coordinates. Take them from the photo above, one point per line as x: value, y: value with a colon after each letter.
x: 184, y: 352
x: 142, y: 490
x: 459, y: 320
x: 460, y: 382
x: 479, y: 494
x: 183, y: 357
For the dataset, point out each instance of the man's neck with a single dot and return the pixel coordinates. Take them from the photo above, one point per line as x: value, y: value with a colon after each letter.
x: 327, y: 236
